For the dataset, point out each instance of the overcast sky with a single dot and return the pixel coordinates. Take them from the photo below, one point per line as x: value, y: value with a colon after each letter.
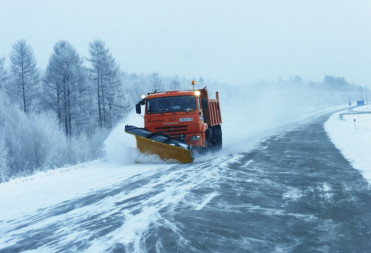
x: 237, y: 42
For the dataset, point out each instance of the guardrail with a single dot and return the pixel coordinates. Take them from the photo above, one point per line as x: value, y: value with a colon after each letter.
x: 352, y: 113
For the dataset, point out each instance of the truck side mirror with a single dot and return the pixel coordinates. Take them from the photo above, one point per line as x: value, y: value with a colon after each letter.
x: 138, y: 108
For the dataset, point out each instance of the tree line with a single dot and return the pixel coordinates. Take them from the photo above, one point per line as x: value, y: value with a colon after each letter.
x: 62, y: 115
x: 82, y: 97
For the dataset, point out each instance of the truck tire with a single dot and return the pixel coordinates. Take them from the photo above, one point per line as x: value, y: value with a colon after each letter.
x: 208, y: 141
x: 206, y: 148
x: 217, y: 138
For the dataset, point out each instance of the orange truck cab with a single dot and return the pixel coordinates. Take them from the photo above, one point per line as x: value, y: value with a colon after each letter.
x: 187, y: 116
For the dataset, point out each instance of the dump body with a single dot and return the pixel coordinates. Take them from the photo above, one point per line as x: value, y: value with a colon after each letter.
x: 211, y: 112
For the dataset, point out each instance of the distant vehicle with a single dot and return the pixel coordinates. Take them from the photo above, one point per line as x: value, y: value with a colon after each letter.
x: 360, y: 102
x: 176, y: 122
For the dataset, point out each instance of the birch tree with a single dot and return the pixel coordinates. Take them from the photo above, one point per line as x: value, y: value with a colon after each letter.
x: 105, y: 72
x: 25, y: 72
x: 66, y: 84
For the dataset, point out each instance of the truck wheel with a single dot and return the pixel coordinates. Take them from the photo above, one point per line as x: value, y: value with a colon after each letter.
x: 205, y: 149
x: 217, y: 140
x: 208, y: 143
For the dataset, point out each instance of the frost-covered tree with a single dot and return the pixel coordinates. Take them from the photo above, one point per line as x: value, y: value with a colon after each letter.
x: 25, y: 72
x: 156, y: 82
x: 175, y: 83
x: 3, y: 157
x: 32, y: 141
x: 65, y: 84
x: 110, y: 98
x: 35, y: 141
x: 3, y: 74
x: 137, y: 85
x: 201, y: 82
x: 335, y: 82
x: 3, y: 147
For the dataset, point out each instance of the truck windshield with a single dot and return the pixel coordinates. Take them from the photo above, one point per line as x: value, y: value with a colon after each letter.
x: 171, y: 104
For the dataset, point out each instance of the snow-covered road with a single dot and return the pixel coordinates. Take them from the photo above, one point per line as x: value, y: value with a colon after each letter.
x: 294, y: 192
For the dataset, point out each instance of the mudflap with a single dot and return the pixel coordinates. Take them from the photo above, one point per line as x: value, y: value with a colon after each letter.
x: 165, y: 147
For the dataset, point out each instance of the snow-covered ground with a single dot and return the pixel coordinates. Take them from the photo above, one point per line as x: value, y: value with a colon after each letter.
x: 28, y: 194
x: 351, y: 134
x: 116, y: 204
x: 51, y: 187
x: 29, y: 200
x: 46, y: 188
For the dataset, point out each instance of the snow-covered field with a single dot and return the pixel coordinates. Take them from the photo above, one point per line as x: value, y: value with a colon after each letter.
x: 351, y: 134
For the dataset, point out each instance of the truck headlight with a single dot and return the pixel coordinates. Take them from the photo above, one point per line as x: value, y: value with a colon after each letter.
x: 195, y: 137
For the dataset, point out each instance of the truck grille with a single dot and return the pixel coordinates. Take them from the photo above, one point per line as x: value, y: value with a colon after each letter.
x: 171, y: 130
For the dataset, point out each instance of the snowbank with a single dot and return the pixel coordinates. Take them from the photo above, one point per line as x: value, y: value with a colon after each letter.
x: 351, y: 134
x: 28, y: 194
x: 121, y: 148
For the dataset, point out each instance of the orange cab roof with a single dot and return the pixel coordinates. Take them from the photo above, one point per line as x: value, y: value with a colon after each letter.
x: 171, y: 94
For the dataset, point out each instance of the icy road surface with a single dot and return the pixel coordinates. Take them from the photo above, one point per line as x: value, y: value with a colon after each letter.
x: 294, y: 193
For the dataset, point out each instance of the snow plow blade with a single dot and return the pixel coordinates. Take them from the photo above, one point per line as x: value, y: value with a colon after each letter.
x: 165, y: 147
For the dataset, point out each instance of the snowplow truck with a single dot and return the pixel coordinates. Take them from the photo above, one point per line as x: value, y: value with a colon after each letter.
x: 178, y: 122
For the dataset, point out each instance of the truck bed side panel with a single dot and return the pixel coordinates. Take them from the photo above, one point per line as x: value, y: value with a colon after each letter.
x: 215, y: 117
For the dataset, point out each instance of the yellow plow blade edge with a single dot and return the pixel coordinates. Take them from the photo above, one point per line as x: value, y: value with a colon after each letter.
x: 169, y: 152
x: 165, y: 151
